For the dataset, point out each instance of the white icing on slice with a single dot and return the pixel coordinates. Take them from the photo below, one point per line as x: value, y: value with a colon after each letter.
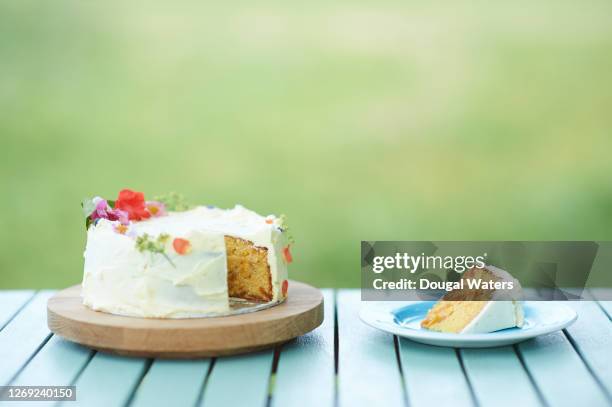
x: 494, y: 316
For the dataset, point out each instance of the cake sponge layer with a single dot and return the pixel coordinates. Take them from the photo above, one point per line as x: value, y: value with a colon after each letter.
x: 452, y: 316
x: 248, y: 271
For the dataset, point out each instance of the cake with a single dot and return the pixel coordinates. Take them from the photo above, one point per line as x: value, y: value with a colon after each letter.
x: 478, y: 310
x: 166, y: 259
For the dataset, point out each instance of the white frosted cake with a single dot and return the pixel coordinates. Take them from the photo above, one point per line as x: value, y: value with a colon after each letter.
x: 479, y: 310
x: 161, y: 259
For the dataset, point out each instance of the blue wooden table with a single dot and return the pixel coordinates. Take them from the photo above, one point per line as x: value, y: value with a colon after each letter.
x: 342, y: 363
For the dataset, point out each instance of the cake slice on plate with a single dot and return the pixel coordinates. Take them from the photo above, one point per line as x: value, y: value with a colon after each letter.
x: 478, y: 310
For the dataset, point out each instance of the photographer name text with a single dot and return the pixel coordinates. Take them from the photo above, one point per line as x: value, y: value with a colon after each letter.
x: 425, y: 284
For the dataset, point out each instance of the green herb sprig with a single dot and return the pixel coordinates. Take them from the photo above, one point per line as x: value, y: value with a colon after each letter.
x: 145, y: 243
x: 174, y: 202
x: 282, y: 223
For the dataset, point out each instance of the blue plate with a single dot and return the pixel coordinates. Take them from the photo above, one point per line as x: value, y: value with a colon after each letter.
x: 404, y: 319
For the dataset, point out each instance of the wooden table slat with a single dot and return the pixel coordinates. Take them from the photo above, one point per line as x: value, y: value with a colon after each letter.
x: 23, y: 336
x: 591, y: 334
x: 239, y: 380
x: 308, y: 359
x: 172, y: 382
x: 492, y: 370
x: 108, y: 380
x: 567, y: 368
x: 10, y: 302
x: 560, y: 374
x: 368, y: 371
x: 598, y: 294
x: 607, y: 307
x: 58, y: 363
x: 422, y: 365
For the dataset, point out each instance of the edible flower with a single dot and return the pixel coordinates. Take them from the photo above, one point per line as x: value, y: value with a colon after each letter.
x: 133, y: 203
x: 103, y: 210
x: 120, y: 228
x: 287, y: 255
x: 181, y: 246
x: 155, y: 208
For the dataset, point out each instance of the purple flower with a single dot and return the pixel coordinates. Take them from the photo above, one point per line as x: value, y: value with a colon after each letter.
x: 104, y: 211
x: 100, y: 210
x: 121, y: 216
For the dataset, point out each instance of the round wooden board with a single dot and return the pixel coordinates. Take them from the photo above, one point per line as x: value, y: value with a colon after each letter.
x: 185, y: 338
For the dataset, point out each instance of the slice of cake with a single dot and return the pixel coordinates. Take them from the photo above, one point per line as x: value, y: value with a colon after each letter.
x: 165, y: 259
x: 478, y: 310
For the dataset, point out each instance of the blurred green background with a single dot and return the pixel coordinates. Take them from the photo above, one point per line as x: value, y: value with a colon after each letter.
x: 393, y: 120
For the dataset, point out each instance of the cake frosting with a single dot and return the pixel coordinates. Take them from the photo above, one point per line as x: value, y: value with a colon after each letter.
x: 504, y: 310
x: 185, y: 274
x: 496, y: 315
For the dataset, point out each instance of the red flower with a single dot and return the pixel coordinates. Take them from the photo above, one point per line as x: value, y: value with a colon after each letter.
x: 133, y: 203
x: 285, y: 288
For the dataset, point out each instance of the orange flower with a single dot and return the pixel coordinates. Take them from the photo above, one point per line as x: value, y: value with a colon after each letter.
x: 181, y: 246
x: 285, y: 287
x: 121, y: 229
x: 133, y: 203
x: 287, y: 254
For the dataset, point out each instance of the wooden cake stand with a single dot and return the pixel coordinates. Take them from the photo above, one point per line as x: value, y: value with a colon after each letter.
x: 185, y: 338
